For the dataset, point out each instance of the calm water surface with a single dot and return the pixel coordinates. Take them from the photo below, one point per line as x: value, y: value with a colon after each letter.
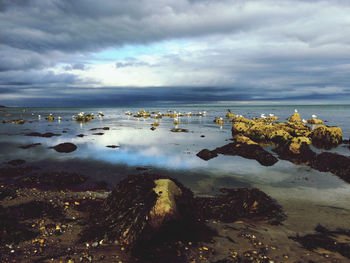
x: 175, y: 153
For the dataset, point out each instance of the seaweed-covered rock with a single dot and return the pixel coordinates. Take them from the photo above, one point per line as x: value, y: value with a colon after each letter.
x: 230, y: 115
x: 335, y: 241
x: 295, y: 117
x: 315, y: 121
x: 239, y: 203
x: 326, y: 137
x: 66, y: 147
x: 140, y: 205
x: 82, y: 117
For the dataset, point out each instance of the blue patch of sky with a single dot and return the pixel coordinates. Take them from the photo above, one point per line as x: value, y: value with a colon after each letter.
x: 134, y: 51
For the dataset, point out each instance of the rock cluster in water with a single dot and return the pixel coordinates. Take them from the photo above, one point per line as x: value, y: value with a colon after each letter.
x: 292, y: 140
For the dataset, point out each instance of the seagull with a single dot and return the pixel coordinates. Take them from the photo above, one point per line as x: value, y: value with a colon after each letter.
x: 39, y: 116
x: 59, y: 118
x: 263, y: 116
x: 314, y: 116
x: 271, y: 115
x: 304, y: 121
x: 295, y: 110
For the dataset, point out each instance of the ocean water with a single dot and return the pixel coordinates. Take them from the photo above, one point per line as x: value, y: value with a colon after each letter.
x: 162, y: 151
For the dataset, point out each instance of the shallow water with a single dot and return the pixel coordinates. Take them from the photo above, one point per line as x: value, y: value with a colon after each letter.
x: 175, y: 153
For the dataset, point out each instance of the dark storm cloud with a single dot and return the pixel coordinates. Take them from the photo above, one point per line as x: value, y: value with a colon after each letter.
x: 242, y: 49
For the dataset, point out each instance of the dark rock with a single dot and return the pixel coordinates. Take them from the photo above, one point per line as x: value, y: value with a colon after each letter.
x: 113, y: 146
x: 153, y: 128
x: 81, y: 135
x: 334, y: 163
x: 202, y: 136
x: 7, y: 191
x: 98, y: 133
x: 249, y: 151
x: 327, y: 240
x: 16, y: 162
x: 49, y: 181
x: 306, y: 155
x: 64, y: 131
x: 29, y: 146
x: 66, y: 147
x: 103, y: 128
x: 45, y: 135
x: 206, y: 154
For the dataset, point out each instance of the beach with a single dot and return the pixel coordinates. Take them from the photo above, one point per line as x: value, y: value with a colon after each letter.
x: 48, y: 194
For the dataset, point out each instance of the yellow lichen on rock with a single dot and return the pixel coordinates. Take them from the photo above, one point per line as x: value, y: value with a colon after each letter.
x: 239, y: 138
x: 297, y: 143
x: 315, y: 121
x: 295, y: 117
x: 219, y: 121
x: 280, y: 136
x: 327, y: 135
x: 165, y: 207
x: 239, y: 127
x: 230, y: 115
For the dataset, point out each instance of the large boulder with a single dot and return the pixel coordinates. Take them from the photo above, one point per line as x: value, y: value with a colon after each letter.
x: 326, y: 137
x: 140, y: 206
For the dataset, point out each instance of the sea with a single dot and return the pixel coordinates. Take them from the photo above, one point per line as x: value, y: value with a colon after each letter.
x: 309, y: 197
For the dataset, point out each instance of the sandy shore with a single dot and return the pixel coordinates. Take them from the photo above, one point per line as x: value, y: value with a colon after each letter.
x: 46, y: 226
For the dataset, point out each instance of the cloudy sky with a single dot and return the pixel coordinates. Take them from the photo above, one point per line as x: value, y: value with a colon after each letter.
x: 89, y: 52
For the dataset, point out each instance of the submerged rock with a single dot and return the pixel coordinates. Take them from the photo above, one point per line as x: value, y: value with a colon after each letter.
x: 66, y: 147
x: 45, y: 135
x: 29, y: 146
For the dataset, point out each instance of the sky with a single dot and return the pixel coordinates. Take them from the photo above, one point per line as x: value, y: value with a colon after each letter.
x: 117, y: 52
